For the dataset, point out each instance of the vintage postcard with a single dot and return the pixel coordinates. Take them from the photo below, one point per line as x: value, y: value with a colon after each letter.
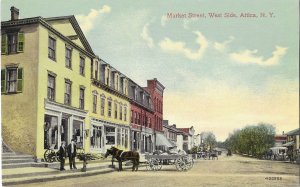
x: 150, y: 93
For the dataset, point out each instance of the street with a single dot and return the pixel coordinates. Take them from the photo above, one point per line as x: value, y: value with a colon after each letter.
x: 226, y: 171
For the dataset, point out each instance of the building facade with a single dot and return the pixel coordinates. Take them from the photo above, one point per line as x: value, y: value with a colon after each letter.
x: 156, y: 91
x: 142, y: 119
x: 45, y: 80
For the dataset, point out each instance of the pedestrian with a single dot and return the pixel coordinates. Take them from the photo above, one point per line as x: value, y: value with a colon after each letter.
x: 72, y: 154
x: 62, y: 155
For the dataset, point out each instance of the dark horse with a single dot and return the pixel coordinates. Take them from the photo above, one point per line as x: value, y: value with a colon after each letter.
x: 213, y: 155
x: 123, y: 156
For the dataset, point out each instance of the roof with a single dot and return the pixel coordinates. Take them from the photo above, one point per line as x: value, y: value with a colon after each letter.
x: 43, y: 21
x: 293, y: 132
x: 77, y: 29
x: 185, y: 130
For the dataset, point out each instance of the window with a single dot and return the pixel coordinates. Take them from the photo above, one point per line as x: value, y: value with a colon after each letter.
x: 12, y: 80
x: 126, y: 138
x: 95, y: 103
x: 116, y: 110
x: 121, y: 110
x: 139, y: 119
x: 81, y: 65
x: 118, y: 136
x: 123, y: 136
x: 68, y: 92
x: 96, y: 136
x: 68, y: 57
x: 51, y: 48
x: 77, y: 133
x: 110, y: 135
x: 102, y: 106
x: 96, y: 70
x: 125, y: 113
x: 12, y: 43
x: 135, y: 118
x: 50, y: 132
x: 107, y: 76
x: 51, y: 87
x: 109, y: 107
x: 81, y: 98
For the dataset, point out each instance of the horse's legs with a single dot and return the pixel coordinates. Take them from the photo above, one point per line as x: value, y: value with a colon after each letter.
x: 133, y: 165
x: 120, y: 165
x: 137, y: 164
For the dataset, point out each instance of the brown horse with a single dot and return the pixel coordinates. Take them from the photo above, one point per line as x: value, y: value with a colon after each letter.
x: 121, y: 156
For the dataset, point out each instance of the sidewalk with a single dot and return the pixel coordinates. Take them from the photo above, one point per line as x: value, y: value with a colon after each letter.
x: 14, y: 176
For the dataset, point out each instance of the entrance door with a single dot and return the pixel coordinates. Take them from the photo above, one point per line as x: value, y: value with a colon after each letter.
x: 65, y: 130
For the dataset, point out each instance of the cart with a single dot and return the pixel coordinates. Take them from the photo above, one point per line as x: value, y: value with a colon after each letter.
x: 181, y: 162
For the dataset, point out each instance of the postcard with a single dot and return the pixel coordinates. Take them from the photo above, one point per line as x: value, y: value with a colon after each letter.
x: 150, y: 93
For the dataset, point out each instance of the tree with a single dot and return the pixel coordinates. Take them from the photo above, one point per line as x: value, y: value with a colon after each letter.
x: 209, y: 140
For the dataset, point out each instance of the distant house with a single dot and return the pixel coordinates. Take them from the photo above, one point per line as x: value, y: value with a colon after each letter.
x: 293, y: 140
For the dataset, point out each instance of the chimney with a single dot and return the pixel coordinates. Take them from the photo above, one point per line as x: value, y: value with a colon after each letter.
x: 174, y: 125
x: 14, y: 12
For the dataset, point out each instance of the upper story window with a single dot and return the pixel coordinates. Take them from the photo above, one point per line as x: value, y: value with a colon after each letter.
x: 12, y: 80
x: 81, y: 98
x: 51, y: 48
x: 102, y: 105
x: 109, y: 107
x: 51, y: 87
x: 81, y: 65
x: 96, y: 69
x: 116, y: 110
x: 107, y: 76
x: 95, y: 103
x: 121, y: 112
x: 68, y: 57
x: 68, y: 92
x: 125, y: 113
x: 12, y: 43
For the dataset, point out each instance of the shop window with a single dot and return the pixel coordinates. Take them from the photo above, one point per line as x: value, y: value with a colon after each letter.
x: 78, y: 133
x: 123, y: 137
x: 110, y: 135
x: 50, y: 132
x: 126, y: 138
x: 118, y: 136
x: 96, y: 136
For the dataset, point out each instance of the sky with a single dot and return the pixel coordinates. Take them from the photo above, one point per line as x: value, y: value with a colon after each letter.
x: 220, y: 73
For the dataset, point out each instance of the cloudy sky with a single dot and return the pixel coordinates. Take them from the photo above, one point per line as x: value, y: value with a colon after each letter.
x: 220, y: 73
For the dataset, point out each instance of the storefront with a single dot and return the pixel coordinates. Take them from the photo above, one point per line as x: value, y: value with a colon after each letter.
x: 63, y: 123
x: 104, y: 135
x: 142, y: 140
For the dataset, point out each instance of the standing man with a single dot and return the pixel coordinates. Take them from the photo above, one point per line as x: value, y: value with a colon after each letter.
x: 72, y: 154
x: 62, y: 155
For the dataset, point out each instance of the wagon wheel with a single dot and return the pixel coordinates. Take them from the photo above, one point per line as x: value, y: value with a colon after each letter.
x: 149, y: 165
x: 57, y: 157
x: 189, y: 162
x: 49, y: 155
x: 180, y: 164
x: 157, y: 164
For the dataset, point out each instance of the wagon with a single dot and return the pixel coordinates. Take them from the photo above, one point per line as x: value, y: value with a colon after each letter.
x: 181, y: 162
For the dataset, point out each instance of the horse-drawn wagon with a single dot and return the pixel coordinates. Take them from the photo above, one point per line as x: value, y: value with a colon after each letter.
x: 181, y: 162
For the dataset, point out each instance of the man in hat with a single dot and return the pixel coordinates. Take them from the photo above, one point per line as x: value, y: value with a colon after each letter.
x: 62, y: 155
x: 72, y: 154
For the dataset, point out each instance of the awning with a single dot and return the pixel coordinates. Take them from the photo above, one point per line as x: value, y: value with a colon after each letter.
x: 288, y: 144
x: 278, y: 148
x: 162, y: 140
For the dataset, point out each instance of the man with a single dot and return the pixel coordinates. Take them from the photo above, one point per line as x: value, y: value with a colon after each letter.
x: 72, y: 154
x: 62, y: 155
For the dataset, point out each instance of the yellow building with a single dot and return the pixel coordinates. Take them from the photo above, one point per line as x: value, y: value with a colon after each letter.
x: 54, y: 89
x: 110, y: 120
x: 45, y: 83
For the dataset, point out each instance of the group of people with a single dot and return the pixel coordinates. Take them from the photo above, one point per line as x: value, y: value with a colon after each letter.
x: 69, y: 151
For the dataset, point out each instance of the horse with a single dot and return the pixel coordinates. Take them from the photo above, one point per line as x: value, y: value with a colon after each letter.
x: 213, y: 155
x: 122, y: 156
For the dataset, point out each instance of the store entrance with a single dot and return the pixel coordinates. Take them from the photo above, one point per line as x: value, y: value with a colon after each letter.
x: 65, y: 130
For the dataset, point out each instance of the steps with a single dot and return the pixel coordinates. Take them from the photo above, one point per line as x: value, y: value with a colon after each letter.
x: 13, y: 160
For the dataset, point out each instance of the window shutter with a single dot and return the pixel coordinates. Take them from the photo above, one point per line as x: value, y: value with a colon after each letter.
x: 4, y: 44
x: 3, y: 80
x: 21, y: 42
x: 20, y: 80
